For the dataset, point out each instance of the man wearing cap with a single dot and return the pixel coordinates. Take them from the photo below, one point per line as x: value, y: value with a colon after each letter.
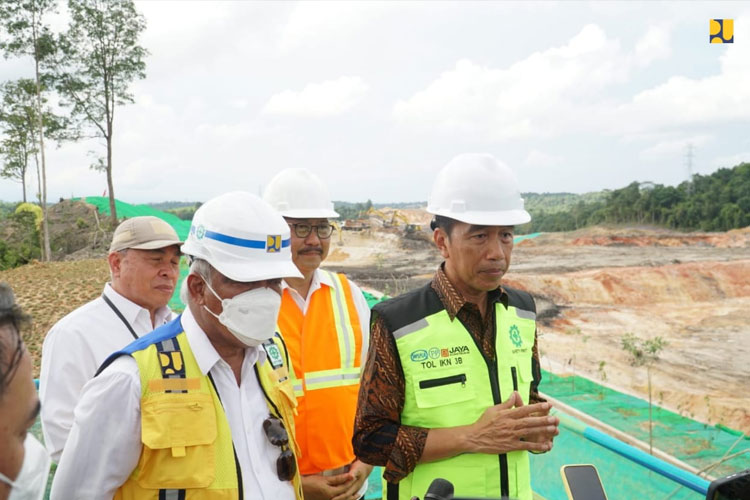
x: 144, y: 262
x: 450, y: 387
x: 324, y: 320
x: 203, y: 406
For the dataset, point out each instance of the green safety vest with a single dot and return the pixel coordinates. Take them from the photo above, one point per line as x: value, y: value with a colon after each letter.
x: 449, y: 383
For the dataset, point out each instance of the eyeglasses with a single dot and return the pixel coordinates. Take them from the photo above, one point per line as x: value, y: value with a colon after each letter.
x: 303, y: 230
x: 286, y: 465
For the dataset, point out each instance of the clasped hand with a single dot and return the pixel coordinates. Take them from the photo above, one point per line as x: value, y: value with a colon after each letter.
x: 511, y: 426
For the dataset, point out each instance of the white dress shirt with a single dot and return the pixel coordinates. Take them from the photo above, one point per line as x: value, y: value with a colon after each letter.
x: 104, y: 445
x: 73, y: 350
x: 360, y: 304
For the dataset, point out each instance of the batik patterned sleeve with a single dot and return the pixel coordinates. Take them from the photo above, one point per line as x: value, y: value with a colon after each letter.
x: 379, y: 438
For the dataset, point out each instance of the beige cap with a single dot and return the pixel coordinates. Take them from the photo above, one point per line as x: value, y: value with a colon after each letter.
x: 143, y: 233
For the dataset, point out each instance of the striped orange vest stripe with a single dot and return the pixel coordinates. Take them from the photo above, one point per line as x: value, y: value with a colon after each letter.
x: 325, y: 347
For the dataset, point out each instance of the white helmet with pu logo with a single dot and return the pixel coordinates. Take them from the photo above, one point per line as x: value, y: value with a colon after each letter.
x: 242, y: 237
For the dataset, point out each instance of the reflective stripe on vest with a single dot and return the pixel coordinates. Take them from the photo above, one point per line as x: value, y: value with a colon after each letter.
x: 325, y: 346
x: 347, y: 374
x: 448, y: 383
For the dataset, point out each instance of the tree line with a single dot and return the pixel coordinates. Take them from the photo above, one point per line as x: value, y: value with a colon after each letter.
x: 80, y: 76
x: 716, y: 202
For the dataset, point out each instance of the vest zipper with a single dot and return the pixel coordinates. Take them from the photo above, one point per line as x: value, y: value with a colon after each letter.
x: 437, y: 382
x: 496, y: 397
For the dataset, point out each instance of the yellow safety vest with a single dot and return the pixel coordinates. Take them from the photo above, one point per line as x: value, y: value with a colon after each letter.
x: 187, y: 450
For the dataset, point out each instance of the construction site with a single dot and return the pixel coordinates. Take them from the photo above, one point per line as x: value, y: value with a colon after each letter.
x: 592, y: 288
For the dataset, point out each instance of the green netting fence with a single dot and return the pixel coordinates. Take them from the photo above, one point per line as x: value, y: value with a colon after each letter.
x: 698, y: 444
x: 623, y: 479
x: 126, y: 210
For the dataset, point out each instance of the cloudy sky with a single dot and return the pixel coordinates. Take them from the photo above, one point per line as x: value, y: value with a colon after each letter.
x: 377, y: 97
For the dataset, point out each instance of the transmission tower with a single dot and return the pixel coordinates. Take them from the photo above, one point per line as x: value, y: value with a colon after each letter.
x: 689, y: 165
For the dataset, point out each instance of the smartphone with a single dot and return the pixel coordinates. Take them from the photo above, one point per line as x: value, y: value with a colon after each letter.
x: 582, y: 482
x: 733, y: 487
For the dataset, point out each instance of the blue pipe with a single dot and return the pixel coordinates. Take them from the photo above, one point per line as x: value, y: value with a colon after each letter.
x: 674, y: 473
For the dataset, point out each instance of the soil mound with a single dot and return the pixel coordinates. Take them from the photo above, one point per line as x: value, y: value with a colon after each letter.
x: 75, y: 226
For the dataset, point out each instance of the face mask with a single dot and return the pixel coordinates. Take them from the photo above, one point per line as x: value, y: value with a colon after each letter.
x: 32, y: 479
x: 250, y: 316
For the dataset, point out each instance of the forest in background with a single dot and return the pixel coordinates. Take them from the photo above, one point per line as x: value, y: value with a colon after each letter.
x: 716, y: 202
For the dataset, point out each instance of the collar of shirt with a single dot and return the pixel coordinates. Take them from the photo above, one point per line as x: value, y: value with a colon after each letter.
x: 452, y: 298
x: 319, y: 278
x: 130, y: 310
x: 204, y: 352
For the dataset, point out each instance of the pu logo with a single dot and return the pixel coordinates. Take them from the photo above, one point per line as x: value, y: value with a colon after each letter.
x: 273, y: 244
x: 171, y: 363
x: 721, y: 31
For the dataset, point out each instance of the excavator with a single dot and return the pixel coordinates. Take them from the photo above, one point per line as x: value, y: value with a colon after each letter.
x: 393, y: 219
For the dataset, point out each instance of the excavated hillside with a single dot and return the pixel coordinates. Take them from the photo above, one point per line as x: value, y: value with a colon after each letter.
x: 594, y: 286
x: 701, y: 309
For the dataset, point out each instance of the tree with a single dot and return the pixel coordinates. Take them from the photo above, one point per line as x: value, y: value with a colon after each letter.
x: 15, y: 149
x: 19, y: 122
x: 644, y: 353
x: 27, y: 35
x: 101, y: 57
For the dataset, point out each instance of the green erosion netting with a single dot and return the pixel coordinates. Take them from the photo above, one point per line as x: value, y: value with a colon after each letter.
x: 695, y: 443
x: 182, y: 227
x: 175, y: 303
x: 622, y: 478
x: 372, y: 300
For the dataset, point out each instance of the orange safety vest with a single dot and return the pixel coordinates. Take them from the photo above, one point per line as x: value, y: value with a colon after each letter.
x: 325, y: 347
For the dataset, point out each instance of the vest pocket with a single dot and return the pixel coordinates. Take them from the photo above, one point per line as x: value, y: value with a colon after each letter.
x: 437, y: 382
x: 440, y: 391
x: 178, y: 431
x: 523, y: 368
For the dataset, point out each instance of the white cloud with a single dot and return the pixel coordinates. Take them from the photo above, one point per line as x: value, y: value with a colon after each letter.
x: 674, y: 148
x: 682, y: 101
x: 654, y: 45
x: 311, y: 22
x: 539, y: 159
x: 331, y: 97
x: 578, y: 88
x: 544, y: 94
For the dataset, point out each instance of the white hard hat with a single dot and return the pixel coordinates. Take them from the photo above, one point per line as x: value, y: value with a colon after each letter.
x: 298, y: 193
x: 242, y: 237
x: 478, y: 189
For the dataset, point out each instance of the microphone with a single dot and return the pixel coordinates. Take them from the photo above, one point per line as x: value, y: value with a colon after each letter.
x: 440, y: 489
